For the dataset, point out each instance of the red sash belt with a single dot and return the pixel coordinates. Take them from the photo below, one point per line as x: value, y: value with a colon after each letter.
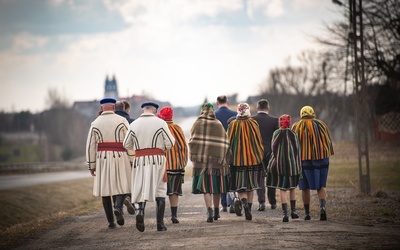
x: 149, y: 151
x: 111, y: 146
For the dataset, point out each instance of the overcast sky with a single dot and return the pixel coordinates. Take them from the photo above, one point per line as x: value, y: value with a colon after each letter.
x: 181, y: 51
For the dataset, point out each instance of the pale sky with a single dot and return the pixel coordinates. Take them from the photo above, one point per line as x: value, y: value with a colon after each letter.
x: 180, y: 51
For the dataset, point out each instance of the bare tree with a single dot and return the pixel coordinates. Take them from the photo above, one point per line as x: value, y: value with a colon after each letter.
x: 381, y: 19
x: 313, y: 81
x: 56, y: 99
x: 64, y: 127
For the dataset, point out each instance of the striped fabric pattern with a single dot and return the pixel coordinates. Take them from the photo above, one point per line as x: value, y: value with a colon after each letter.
x: 174, y: 183
x: 282, y: 182
x: 246, y: 178
x: 177, y: 156
x: 246, y: 142
x: 209, y: 180
x: 315, y: 141
x: 285, y: 157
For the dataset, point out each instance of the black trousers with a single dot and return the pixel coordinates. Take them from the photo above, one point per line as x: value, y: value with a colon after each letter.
x: 271, y: 193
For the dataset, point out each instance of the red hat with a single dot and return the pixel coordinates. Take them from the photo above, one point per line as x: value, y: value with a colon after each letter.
x: 284, y: 121
x: 166, y: 113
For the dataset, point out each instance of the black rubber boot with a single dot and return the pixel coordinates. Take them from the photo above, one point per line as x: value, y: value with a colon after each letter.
x: 174, y: 217
x: 216, y: 213
x: 119, y: 200
x: 323, y: 214
x: 160, y: 209
x: 238, y: 207
x: 108, y: 209
x: 285, y: 214
x: 293, y: 212
x: 307, y: 209
x: 210, y: 215
x: 140, y: 217
x: 322, y: 203
x: 247, y: 209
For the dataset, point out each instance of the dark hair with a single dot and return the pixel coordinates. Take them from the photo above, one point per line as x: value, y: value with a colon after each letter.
x: 263, y: 104
x: 119, y: 105
x: 222, y: 99
x: 126, y: 104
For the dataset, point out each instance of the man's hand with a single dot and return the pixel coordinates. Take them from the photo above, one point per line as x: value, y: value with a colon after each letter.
x: 92, y: 172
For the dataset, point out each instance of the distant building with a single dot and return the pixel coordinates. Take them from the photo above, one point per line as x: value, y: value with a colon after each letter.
x: 90, y: 109
x: 111, y: 88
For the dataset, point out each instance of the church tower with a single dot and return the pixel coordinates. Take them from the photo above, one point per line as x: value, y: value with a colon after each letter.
x: 111, y: 88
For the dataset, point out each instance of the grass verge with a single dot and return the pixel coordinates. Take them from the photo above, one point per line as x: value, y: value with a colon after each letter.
x: 27, y: 211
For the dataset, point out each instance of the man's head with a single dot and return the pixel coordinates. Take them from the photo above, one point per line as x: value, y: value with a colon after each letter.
x: 119, y: 105
x: 127, y: 105
x: 108, y: 104
x: 263, y: 105
x: 222, y: 100
x: 149, y: 107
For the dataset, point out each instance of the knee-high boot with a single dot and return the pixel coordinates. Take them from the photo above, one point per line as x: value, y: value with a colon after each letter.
x: 119, y: 200
x: 107, y: 205
x: 160, y: 209
x: 140, y: 216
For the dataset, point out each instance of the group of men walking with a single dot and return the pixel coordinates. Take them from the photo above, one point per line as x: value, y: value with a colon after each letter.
x: 129, y: 159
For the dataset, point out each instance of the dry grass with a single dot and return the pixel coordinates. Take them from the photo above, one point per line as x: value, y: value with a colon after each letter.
x: 26, y: 211
x: 384, y: 162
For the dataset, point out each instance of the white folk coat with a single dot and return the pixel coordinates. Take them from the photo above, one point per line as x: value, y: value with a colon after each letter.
x: 113, y: 169
x: 148, y: 131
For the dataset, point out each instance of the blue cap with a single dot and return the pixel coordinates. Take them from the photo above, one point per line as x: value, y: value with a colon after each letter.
x: 108, y: 100
x: 149, y: 103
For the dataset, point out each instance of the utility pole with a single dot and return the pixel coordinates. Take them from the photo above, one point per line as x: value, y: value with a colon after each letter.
x: 357, y: 39
x: 356, y: 24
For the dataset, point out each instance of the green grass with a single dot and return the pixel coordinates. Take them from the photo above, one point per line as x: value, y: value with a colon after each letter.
x: 19, y: 154
x: 383, y: 174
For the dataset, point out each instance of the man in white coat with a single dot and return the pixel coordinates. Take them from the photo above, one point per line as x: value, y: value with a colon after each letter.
x: 150, y: 137
x: 108, y: 160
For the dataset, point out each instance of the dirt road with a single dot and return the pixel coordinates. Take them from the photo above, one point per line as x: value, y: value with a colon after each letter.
x: 265, y: 231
